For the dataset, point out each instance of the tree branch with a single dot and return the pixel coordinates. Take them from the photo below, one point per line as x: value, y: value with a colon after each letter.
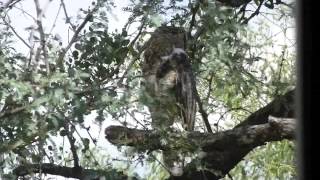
x: 42, y: 35
x: 203, y: 113
x: 68, y: 172
x: 194, y: 11
x: 72, y: 142
x: 283, y: 106
x: 10, y: 4
x: 15, y: 32
x: 274, y: 130
x: 68, y: 20
x: 256, y: 12
x: 130, y: 46
x: 73, y: 39
x: 218, y: 152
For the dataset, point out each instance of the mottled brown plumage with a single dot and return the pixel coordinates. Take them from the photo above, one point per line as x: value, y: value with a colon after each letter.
x: 169, y: 86
x: 169, y: 81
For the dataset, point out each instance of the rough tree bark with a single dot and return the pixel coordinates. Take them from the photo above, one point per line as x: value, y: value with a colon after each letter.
x: 69, y: 172
x: 221, y: 151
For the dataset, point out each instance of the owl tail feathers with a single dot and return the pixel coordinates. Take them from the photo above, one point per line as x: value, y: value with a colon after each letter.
x: 174, y: 164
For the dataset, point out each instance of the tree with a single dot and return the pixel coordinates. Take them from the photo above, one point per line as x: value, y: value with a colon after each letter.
x: 245, y: 82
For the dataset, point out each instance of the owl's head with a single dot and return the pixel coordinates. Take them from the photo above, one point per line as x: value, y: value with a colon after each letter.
x: 177, y: 57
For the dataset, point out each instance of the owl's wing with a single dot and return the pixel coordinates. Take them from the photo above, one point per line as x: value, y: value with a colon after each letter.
x: 186, y: 97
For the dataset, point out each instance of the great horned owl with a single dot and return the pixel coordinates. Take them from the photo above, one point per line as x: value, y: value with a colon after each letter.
x: 169, y: 81
x: 169, y: 85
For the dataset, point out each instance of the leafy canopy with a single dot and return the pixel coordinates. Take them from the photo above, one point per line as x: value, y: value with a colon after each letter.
x: 240, y: 65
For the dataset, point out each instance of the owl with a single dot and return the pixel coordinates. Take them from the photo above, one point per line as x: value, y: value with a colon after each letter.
x: 169, y: 82
x: 169, y: 86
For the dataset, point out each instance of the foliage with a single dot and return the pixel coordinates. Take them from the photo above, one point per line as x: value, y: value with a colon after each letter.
x: 256, y: 165
x: 239, y: 69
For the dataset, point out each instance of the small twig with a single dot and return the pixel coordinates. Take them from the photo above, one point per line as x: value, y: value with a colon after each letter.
x: 280, y: 71
x: 71, y: 140
x: 229, y: 110
x: 73, y: 40
x: 28, y: 63
x: 253, y: 14
x: 194, y: 88
x: 55, y: 19
x: 203, y: 114
x: 26, y: 13
x: 92, y: 139
x: 242, y: 11
x: 42, y: 35
x: 210, y: 86
x: 139, y: 33
x: 161, y: 164
x: 286, y: 4
x: 91, y: 153
x: 134, y: 118
x: 11, y: 3
x: 200, y: 31
x: 229, y: 175
x: 131, y: 45
x: 66, y: 14
x: 15, y: 32
x: 201, y: 109
x: 72, y: 144
x: 192, y: 45
x: 119, y: 83
x: 194, y: 11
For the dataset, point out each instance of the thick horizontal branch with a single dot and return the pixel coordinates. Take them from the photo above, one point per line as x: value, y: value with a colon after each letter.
x: 276, y: 129
x: 69, y: 172
x: 283, y: 106
x: 220, y: 151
